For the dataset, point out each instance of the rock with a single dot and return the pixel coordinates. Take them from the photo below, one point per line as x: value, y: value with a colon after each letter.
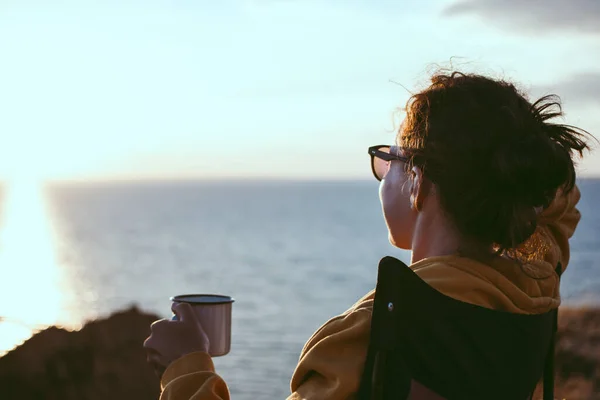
x: 104, y: 360
x: 577, y: 362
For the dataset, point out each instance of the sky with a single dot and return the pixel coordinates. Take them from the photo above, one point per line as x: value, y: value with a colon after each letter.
x: 178, y: 89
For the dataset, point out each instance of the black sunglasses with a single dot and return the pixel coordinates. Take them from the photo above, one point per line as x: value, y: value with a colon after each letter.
x: 380, y: 160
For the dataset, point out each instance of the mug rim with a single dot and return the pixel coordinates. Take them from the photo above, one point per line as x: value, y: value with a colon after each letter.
x: 224, y: 299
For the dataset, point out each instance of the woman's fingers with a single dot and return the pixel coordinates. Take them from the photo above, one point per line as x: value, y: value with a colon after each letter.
x: 156, y: 331
x: 184, y: 312
x: 159, y: 370
x: 155, y: 360
x: 186, y: 315
x: 172, y: 339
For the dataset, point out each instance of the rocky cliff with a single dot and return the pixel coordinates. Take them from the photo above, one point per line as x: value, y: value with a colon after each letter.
x: 577, y: 362
x: 105, y: 360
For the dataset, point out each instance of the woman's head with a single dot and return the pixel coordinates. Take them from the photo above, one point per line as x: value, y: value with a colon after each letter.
x: 489, y: 156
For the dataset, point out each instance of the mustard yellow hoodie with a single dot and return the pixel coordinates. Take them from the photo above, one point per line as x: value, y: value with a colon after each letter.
x: 331, y: 362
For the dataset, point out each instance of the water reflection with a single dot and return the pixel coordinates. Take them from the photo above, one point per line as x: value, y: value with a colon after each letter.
x: 30, y: 284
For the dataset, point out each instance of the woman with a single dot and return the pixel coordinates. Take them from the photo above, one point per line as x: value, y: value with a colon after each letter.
x: 480, y: 187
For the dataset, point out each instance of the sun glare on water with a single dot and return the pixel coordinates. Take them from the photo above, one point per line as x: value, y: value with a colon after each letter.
x: 30, y: 280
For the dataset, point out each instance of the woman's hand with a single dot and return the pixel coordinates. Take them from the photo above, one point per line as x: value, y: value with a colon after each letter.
x: 172, y: 339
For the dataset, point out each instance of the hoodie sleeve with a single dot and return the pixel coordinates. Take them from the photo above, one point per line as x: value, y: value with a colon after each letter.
x: 332, y: 361
x: 557, y: 224
x: 330, y: 365
x: 193, y: 377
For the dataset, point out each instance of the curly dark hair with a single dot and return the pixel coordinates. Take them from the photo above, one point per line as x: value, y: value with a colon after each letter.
x: 492, y: 154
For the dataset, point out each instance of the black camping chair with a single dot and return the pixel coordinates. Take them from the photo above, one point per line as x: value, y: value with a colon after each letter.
x: 425, y: 345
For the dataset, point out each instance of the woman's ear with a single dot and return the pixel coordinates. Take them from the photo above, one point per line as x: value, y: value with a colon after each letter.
x: 419, y: 189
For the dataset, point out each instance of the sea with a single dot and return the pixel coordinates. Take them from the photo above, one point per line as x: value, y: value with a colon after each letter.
x: 293, y: 254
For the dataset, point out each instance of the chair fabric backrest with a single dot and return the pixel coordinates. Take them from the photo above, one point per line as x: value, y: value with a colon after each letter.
x: 454, y: 349
x: 420, y: 392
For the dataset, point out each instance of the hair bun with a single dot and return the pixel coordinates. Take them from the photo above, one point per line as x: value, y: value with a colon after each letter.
x: 494, y: 156
x: 528, y: 170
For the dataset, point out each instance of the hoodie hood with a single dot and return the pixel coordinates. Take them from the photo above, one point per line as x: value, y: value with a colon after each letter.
x: 503, y: 284
x: 529, y: 286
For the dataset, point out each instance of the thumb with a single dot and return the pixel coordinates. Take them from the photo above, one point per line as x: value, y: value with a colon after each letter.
x: 184, y: 312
